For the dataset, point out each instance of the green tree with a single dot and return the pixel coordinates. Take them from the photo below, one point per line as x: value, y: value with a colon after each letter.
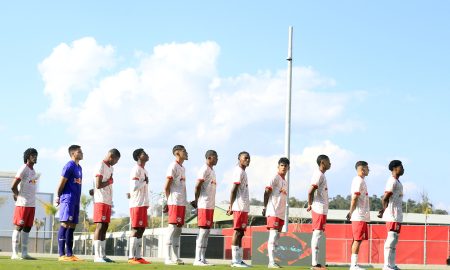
x: 85, y: 201
x: 37, y: 225
x: 340, y: 202
x: 50, y: 210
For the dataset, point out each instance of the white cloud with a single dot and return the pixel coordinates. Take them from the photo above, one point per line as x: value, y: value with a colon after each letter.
x: 175, y: 94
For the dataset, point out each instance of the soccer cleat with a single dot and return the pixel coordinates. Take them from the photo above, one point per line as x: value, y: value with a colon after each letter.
x: 273, y: 265
x: 200, y: 263
x: 208, y: 263
x: 356, y: 267
x: 396, y: 267
x: 143, y: 261
x: 240, y: 264
x: 108, y: 260
x: 387, y: 267
x: 74, y: 258
x: 133, y: 261
x: 99, y: 260
x: 318, y: 267
x: 28, y: 257
x: 15, y: 256
x: 62, y: 258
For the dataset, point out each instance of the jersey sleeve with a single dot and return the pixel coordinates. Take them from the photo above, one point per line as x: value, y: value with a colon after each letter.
x: 201, y: 174
x: 99, y: 171
x: 272, y: 183
x: 389, y: 186
x: 356, y: 186
x: 19, y: 174
x: 67, y: 171
x: 315, y: 180
x: 237, y: 176
x: 170, y: 171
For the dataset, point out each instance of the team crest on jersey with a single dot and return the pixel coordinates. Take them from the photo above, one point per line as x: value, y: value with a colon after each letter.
x: 21, y: 222
x: 32, y: 181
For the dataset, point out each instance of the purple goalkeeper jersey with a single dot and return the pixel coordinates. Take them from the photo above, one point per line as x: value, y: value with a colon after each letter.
x: 72, y: 190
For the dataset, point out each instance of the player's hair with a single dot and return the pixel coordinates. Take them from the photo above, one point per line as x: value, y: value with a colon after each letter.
x: 395, y: 163
x: 321, y: 158
x: 210, y: 153
x: 360, y: 163
x: 73, y: 148
x: 243, y: 153
x: 284, y: 160
x: 137, y: 153
x: 114, y: 152
x: 29, y: 152
x: 177, y: 147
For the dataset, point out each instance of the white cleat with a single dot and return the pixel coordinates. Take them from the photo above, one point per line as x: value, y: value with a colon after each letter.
x: 240, y: 264
x: 273, y: 265
x: 99, y: 260
x: 208, y: 263
x: 200, y: 263
x: 177, y: 262
x: 388, y: 268
x: 356, y: 267
x: 15, y: 256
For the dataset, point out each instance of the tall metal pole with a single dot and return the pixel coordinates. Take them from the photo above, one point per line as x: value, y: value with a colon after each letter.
x: 287, y: 130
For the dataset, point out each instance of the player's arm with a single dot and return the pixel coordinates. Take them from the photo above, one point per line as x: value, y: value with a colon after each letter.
x: 14, y: 188
x: 267, y: 193
x: 198, y: 188
x: 233, y: 195
x: 384, y: 203
x: 59, y: 190
x: 353, y: 203
x: 311, y: 191
x: 99, y: 181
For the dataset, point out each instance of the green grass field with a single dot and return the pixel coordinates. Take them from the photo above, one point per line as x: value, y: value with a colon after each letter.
x: 50, y: 264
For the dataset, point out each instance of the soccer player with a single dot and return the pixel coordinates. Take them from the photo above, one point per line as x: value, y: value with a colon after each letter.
x: 392, y: 213
x: 102, y: 203
x: 359, y: 213
x: 68, y: 197
x: 275, y: 208
x: 139, y: 203
x: 318, y: 203
x: 24, y: 194
x: 239, y: 207
x: 175, y: 191
x: 205, y: 198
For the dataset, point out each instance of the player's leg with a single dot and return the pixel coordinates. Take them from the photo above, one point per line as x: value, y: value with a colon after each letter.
x: 15, y: 243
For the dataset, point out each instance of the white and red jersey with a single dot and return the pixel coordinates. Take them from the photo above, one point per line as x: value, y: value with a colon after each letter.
x: 320, y: 202
x: 394, y: 211
x: 276, y: 206
x: 138, y: 187
x: 207, y: 198
x: 176, y: 173
x: 242, y: 201
x: 105, y: 172
x: 27, y: 186
x: 362, y: 210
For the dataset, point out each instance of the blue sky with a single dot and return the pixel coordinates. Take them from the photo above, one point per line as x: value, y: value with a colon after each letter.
x: 370, y: 83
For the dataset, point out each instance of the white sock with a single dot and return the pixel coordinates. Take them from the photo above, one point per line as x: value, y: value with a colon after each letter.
x: 316, y: 235
x: 199, y: 244
x: 169, y: 241
x: 235, y: 254
x: 176, y: 243
x: 15, y: 242
x: 204, y: 245
x: 97, y: 248
x: 102, y: 249
x: 25, y: 237
x: 394, y: 249
x: 241, y: 254
x: 389, y: 249
x: 354, y: 259
x: 271, y: 245
x: 132, y: 247
x: 138, y: 248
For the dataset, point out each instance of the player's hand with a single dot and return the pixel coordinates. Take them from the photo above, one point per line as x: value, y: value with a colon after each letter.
x: 229, y: 211
x: 165, y: 208
x: 110, y: 181
x: 128, y: 195
x: 308, y: 208
x: 146, y: 179
x: 264, y: 212
x: 91, y: 192
x: 57, y: 201
x: 194, y: 204
x: 380, y: 213
x: 15, y: 197
x: 349, y: 215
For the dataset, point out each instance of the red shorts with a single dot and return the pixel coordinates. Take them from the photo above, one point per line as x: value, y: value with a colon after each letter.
x: 23, y: 216
x: 138, y: 217
x: 275, y: 223
x: 205, y: 217
x: 176, y: 214
x: 102, y: 213
x: 393, y: 226
x: 318, y: 221
x: 360, y: 230
x: 240, y: 220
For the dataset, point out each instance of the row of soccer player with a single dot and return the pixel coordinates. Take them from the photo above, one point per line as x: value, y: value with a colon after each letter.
x: 275, y: 196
